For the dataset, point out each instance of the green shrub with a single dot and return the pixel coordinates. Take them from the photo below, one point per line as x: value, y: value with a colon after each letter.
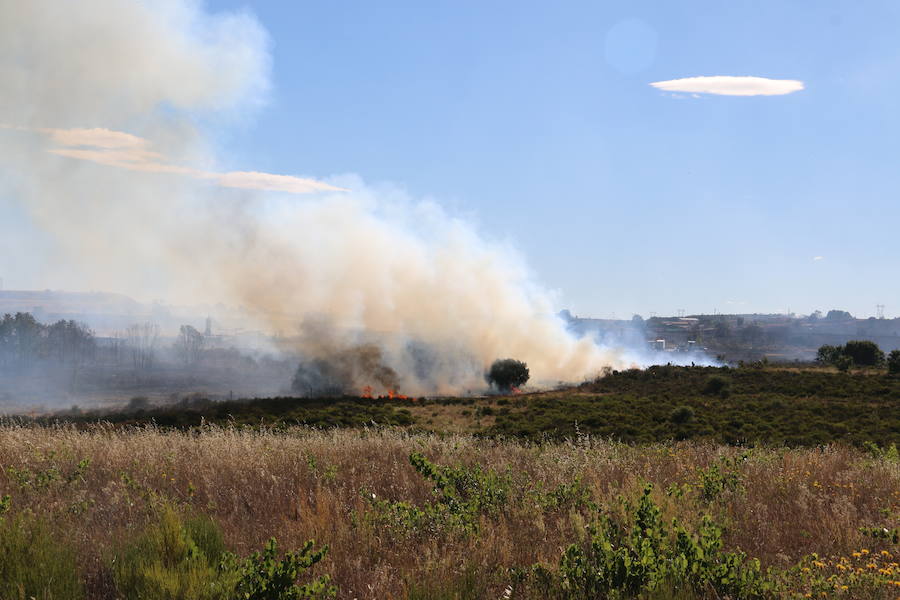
x: 464, y: 490
x: 166, y: 561
x: 34, y: 563
x: 719, y: 478
x: 640, y: 555
x: 716, y: 385
x: 187, y: 559
x: 461, y: 495
x: 882, y: 533
x: 263, y: 576
x: 888, y: 453
x: 565, y: 496
x: 682, y: 414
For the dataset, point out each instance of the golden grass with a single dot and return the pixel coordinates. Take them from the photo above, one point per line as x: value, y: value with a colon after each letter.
x: 303, y: 484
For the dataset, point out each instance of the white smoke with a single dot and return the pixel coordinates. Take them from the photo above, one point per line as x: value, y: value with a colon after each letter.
x: 101, y: 156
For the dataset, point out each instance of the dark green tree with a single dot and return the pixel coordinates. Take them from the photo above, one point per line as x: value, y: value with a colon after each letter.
x: 507, y: 373
x: 828, y: 355
x: 864, y: 352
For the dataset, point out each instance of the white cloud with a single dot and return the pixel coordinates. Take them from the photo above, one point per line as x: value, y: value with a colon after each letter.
x: 727, y: 85
x: 127, y: 151
x: 818, y: 257
x: 253, y: 180
x: 98, y: 138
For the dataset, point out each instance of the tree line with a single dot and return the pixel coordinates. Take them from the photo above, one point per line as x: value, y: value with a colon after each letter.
x: 862, y: 353
x: 24, y: 341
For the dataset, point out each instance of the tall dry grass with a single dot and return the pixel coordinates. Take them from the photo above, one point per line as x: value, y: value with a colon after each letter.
x: 300, y: 484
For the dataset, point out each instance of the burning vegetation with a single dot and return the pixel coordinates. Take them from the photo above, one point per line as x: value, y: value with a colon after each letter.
x: 345, y: 372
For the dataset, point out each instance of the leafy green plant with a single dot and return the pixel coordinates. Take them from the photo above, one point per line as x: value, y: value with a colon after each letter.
x: 464, y: 489
x: 187, y: 559
x: 639, y: 554
x: 720, y: 477
x: 889, y: 453
x: 264, y: 576
x: 565, y: 495
x: 882, y: 533
x: 461, y: 495
x: 42, y: 479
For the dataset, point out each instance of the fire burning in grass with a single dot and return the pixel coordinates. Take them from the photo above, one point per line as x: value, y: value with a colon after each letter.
x: 391, y: 394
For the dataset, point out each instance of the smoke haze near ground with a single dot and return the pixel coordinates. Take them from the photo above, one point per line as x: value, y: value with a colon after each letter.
x: 145, y: 213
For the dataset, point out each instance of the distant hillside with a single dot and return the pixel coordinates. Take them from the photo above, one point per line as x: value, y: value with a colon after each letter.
x: 52, y: 303
x: 740, y: 336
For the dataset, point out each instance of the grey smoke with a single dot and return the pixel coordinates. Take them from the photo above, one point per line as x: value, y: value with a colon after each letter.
x: 437, y: 299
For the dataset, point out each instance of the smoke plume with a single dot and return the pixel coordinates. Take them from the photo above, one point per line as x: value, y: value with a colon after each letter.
x: 110, y: 183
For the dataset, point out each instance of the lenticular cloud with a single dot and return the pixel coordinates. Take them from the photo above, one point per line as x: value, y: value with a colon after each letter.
x: 727, y: 85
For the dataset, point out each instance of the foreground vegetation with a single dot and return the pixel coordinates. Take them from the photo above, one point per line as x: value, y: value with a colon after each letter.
x: 111, y: 512
x: 672, y: 482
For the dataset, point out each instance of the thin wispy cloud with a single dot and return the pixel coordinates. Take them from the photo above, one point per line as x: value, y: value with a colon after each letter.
x: 728, y: 85
x: 126, y: 151
x: 818, y: 258
x: 98, y: 138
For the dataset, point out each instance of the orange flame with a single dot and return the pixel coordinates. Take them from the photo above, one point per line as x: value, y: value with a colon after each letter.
x: 366, y: 392
x: 515, y: 390
x: 394, y: 395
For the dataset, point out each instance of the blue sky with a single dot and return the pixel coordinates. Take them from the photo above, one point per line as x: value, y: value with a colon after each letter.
x: 537, y: 120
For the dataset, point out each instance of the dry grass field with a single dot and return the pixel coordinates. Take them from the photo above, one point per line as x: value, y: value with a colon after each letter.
x: 356, y: 491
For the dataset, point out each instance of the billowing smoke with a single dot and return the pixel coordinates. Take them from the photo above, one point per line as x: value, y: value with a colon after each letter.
x: 109, y: 183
